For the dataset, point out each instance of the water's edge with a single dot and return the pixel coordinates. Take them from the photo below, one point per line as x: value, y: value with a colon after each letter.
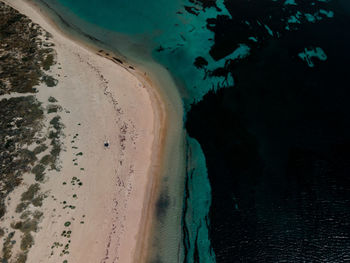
x: 167, y: 239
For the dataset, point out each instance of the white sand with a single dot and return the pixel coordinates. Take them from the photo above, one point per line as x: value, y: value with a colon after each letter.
x: 111, y: 104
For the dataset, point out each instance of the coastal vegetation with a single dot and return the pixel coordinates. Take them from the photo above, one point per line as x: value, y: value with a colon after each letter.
x: 25, y: 55
x: 20, y: 121
x: 48, y: 201
x: 29, y: 146
x: 24, y: 58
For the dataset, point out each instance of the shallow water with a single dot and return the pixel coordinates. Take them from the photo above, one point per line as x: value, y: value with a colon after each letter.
x: 166, y: 32
x: 278, y: 61
x: 163, y: 30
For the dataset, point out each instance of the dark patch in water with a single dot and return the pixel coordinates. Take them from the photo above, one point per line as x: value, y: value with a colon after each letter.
x: 205, y: 3
x: 160, y: 48
x: 192, y: 10
x: 157, y: 260
x: 162, y: 205
x: 200, y: 62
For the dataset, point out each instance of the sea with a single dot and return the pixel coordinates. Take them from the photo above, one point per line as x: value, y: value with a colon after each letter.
x: 266, y: 97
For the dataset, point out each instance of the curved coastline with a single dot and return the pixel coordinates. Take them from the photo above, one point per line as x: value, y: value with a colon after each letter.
x: 168, y: 136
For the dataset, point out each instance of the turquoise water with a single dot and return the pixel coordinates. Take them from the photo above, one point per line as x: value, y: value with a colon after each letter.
x: 164, y: 31
x: 130, y: 17
x: 196, y: 206
x: 139, y: 28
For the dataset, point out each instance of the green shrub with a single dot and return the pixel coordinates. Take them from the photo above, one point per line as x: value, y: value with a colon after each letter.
x: 21, y: 258
x: 48, y: 62
x: 39, y: 149
x: 47, y: 159
x: 21, y: 207
x: 53, y: 109
x: 27, y: 241
x: 29, y: 226
x: 25, y: 215
x: 27, y: 155
x: 49, y: 81
x: 38, y: 214
x: 17, y: 225
x: 30, y: 193
x: 7, y: 247
x: 38, y: 201
x: 52, y: 99
x: 55, y: 122
x: 39, y: 170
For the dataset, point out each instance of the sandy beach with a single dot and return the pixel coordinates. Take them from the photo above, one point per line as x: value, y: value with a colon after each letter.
x: 115, y: 123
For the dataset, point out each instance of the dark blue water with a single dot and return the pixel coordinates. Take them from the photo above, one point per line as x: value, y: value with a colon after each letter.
x: 277, y: 143
x: 265, y: 87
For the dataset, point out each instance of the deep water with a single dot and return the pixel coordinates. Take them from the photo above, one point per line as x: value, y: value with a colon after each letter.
x: 265, y: 89
x: 277, y: 144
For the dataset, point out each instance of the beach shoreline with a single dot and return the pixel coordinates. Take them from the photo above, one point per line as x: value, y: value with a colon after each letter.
x: 164, y: 111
